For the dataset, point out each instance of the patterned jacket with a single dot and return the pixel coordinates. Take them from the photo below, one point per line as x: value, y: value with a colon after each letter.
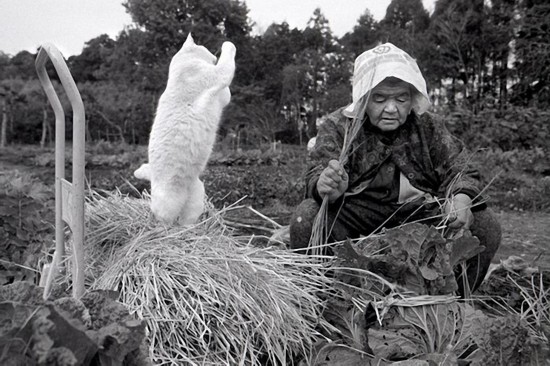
x: 422, y: 149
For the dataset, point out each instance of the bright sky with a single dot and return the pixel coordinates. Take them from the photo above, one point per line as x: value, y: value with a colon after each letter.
x: 25, y: 24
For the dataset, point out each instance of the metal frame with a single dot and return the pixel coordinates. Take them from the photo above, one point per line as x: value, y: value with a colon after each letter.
x: 69, y: 197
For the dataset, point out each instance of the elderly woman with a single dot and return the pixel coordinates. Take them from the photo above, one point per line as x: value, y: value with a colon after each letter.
x: 403, y: 165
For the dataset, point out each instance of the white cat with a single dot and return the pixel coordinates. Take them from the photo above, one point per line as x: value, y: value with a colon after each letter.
x: 184, y: 130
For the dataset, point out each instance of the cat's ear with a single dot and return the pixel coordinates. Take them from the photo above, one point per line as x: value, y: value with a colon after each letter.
x: 189, y: 41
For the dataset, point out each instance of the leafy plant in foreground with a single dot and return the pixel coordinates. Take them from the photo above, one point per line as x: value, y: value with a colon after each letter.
x: 26, y: 215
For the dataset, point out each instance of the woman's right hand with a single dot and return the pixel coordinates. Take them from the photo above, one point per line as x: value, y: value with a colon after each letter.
x: 333, y: 181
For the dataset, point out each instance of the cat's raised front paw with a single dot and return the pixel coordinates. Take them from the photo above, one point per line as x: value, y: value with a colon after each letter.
x: 229, y: 48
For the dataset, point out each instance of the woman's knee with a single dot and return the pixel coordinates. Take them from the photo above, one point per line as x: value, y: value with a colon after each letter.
x: 301, y: 223
x: 487, y: 228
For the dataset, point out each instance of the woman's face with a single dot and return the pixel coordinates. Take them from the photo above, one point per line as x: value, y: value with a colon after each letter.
x: 389, y: 105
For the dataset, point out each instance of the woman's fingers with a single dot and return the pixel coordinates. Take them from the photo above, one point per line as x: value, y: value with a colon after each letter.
x: 333, y: 180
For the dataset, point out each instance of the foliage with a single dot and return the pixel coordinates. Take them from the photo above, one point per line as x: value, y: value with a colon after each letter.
x: 95, y: 330
x: 471, y: 52
x: 26, y: 218
x: 414, y: 256
x: 430, y: 329
x: 407, y: 14
x: 276, y: 48
x: 118, y: 112
x: 517, y: 287
x: 134, y: 61
x: 532, y: 49
x: 504, y: 129
x: 89, y: 66
x: 22, y: 65
x: 504, y: 338
x: 394, y: 319
x: 450, y: 333
x: 167, y: 23
x: 456, y: 31
x: 511, y: 151
x: 363, y: 36
x: 250, y: 119
x: 405, y: 26
x: 516, y: 179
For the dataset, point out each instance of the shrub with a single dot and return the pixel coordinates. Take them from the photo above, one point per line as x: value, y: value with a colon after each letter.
x: 506, y: 129
x: 516, y: 179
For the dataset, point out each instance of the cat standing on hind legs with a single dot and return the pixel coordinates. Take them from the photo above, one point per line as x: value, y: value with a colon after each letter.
x: 184, y: 130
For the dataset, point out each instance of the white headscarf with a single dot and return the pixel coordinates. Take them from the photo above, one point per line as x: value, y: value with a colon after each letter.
x: 386, y: 61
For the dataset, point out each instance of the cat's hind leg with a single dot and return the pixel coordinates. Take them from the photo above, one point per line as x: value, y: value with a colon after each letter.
x: 167, y: 201
x: 194, y: 206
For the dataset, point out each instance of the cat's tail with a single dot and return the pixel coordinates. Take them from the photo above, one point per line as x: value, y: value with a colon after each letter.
x: 143, y: 172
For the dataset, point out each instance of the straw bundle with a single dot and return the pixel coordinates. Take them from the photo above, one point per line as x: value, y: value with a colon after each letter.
x: 206, y: 298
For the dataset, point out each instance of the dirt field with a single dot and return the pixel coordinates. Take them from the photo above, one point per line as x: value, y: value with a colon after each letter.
x: 525, y: 234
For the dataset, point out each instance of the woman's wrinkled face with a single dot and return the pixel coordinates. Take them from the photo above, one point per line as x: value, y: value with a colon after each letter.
x: 390, y: 104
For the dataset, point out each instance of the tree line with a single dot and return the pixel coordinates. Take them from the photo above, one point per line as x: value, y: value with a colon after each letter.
x: 475, y: 54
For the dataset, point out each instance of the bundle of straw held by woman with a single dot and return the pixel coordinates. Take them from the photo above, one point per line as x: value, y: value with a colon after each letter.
x: 207, y: 297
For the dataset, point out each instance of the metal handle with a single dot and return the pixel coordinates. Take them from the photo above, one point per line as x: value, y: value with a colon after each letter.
x: 69, y: 197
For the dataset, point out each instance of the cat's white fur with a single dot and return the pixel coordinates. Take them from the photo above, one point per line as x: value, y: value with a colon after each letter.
x: 184, y: 130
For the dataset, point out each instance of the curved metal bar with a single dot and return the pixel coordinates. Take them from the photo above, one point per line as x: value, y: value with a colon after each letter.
x: 69, y: 197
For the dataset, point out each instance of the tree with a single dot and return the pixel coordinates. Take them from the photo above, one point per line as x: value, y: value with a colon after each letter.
x: 9, y: 97
x: 90, y: 64
x: 316, y: 60
x: 162, y: 27
x: 117, y: 112
x: 532, y: 50
x: 409, y: 15
x: 258, y: 86
x: 364, y: 36
x: 136, y: 61
x: 455, y: 30
x: 497, y: 36
x: 276, y: 48
x: 169, y: 21
x: 36, y: 108
x: 4, y: 63
x: 406, y: 25
x: 338, y: 83
x: 237, y: 28
x: 22, y: 65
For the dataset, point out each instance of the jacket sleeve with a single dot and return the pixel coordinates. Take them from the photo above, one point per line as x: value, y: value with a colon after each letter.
x: 454, y: 165
x: 328, y: 145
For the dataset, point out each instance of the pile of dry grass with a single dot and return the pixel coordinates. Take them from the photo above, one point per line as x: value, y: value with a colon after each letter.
x: 207, y: 298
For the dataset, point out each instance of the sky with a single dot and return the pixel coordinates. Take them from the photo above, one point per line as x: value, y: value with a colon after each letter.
x: 69, y: 24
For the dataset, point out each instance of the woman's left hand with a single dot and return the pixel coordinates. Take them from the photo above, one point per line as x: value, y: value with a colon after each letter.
x: 459, y: 213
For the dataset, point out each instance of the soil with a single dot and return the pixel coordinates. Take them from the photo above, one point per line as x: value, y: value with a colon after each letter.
x: 525, y: 234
